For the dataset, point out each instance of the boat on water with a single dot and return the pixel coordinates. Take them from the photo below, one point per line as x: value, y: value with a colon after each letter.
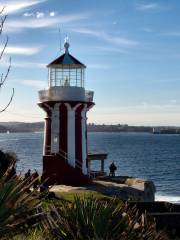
x: 164, y: 130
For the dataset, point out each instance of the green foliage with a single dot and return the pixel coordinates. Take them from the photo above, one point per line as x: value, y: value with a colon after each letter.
x: 69, y: 196
x: 7, y: 163
x: 36, y: 234
x: 90, y: 218
x: 18, y: 207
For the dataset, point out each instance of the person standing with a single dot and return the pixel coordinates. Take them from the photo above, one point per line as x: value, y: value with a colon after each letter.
x: 112, y: 169
x: 35, y: 179
x: 27, y: 174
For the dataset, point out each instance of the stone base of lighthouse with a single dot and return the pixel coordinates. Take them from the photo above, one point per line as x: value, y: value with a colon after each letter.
x: 65, y: 142
x: 56, y: 171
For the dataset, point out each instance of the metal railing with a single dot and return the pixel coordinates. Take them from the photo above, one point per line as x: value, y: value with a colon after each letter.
x: 78, y: 164
x: 64, y: 155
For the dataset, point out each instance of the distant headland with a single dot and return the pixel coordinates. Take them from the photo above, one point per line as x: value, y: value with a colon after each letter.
x: 39, y: 126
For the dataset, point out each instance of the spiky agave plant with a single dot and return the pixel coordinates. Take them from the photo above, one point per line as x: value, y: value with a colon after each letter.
x: 18, y: 208
x: 7, y: 164
x: 90, y: 218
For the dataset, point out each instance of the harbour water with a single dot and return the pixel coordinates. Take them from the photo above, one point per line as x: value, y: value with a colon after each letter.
x: 143, y: 155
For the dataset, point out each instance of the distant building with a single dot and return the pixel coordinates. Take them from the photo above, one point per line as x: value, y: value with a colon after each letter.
x: 66, y: 103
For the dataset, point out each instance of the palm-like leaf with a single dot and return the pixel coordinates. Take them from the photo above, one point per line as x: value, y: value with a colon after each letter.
x: 90, y: 218
x: 17, y: 207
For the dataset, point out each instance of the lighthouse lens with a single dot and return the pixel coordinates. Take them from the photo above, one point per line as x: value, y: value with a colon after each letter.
x: 66, y: 77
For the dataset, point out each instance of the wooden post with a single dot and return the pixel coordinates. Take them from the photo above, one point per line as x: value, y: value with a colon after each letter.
x: 102, y: 165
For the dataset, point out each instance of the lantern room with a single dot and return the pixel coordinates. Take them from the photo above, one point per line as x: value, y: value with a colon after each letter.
x: 66, y: 80
x: 66, y: 70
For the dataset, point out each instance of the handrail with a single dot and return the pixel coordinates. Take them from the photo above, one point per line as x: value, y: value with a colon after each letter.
x: 64, y: 155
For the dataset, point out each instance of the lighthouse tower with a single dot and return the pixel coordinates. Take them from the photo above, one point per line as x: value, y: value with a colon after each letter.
x: 66, y: 103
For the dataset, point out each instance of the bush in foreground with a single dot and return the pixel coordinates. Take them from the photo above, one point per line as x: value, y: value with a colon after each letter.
x: 90, y: 218
x: 19, y: 207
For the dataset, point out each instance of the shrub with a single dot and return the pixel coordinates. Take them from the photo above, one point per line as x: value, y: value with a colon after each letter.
x: 19, y: 207
x: 89, y: 218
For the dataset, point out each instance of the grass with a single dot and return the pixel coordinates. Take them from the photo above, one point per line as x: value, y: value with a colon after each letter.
x: 69, y: 196
x: 33, y: 235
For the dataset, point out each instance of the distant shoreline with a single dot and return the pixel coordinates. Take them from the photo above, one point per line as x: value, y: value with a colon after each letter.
x: 21, y: 127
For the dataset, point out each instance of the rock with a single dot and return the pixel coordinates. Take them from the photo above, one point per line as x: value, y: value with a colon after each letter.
x: 129, y: 188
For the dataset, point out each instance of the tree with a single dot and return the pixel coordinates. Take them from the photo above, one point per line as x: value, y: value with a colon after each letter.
x: 4, y: 76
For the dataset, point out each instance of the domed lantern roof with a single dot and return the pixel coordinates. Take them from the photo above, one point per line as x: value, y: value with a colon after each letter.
x: 66, y: 70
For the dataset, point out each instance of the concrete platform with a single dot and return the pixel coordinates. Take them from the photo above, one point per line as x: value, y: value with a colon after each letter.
x: 125, y: 188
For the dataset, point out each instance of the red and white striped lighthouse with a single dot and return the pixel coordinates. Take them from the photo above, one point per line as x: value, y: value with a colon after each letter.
x: 66, y: 103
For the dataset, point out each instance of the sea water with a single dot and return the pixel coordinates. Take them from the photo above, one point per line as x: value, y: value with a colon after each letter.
x: 143, y: 155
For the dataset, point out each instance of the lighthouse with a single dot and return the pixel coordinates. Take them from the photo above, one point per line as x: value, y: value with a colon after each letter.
x: 66, y: 103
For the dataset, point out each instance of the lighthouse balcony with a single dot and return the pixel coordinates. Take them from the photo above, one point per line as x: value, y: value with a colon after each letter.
x: 66, y: 93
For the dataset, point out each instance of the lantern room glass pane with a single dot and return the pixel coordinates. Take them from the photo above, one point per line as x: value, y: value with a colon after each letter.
x: 66, y: 77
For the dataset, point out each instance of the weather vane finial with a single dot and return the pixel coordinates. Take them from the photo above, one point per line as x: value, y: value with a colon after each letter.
x: 66, y: 44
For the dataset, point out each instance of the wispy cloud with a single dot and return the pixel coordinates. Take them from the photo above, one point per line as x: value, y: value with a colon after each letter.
x: 39, y: 14
x: 40, y: 22
x: 28, y: 65
x: 171, y: 34
x: 22, y: 64
x: 142, y: 114
x: 35, y: 83
x: 17, y: 50
x: 28, y: 14
x: 98, y: 66
x: 14, y: 6
x: 173, y: 101
x: 52, y: 14
x: 107, y: 37
x: 147, y: 30
x: 147, y: 7
x: 104, y: 50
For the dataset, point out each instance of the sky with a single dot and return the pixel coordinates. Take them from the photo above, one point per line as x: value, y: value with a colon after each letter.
x: 131, y: 49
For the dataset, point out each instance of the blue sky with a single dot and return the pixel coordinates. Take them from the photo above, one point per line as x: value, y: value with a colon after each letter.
x: 131, y: 49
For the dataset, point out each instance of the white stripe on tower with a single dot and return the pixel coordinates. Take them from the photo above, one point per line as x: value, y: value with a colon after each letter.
x: 71, y: 136
x: 71, y: 145
x: 84, y: 144
x: 55, y: 126
x: 46, y: 130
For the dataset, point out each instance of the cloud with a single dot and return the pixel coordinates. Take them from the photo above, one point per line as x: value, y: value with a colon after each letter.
x: 107, y: 37
x: 35, y: 83
x: 52, y: 14
x: 171, y: 34
x: 14, y: 6
x: 28, y: 65
x: 104, y: 50
x: 49, y: 21
x: 40, y: 15
x: 98, y: 66
x: 148, y: 30
x: 147, y: 7
x: 17, y: 50
x: 27, y: 14
x: 19, y: 64
x: 173, y: 101
x: 115, y: 23
x: 142, y: 114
